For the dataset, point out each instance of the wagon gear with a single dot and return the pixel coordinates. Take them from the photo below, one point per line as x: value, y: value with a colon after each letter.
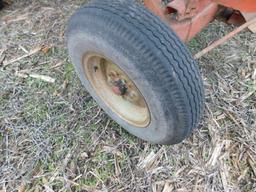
x: 137, y: 67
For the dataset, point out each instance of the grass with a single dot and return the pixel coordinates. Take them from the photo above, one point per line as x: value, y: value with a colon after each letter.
x: 54, y: 137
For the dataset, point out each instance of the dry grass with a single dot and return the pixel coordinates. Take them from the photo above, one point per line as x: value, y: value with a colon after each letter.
x: 54, y: 137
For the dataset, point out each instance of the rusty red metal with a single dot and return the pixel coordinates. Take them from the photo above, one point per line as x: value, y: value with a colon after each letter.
x: 236, y: 18
x: 240, y: 5
x: 186, y: 9
x: 189, y: 17
x: 185, y: 17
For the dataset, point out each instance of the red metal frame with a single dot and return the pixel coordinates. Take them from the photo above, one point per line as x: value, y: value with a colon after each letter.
x: 240, y: 5
x: 189, y: 17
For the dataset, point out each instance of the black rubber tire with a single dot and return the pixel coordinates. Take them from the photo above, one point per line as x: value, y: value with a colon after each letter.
x: 154, y: 58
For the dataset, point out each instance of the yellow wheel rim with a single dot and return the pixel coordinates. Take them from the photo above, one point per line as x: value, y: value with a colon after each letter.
x: 116, y: 89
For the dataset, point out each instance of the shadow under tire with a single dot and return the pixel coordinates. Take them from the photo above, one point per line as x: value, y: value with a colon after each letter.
x: 152, y: 65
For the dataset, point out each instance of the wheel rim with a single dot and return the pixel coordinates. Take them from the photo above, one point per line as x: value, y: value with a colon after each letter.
x: 116, y: 89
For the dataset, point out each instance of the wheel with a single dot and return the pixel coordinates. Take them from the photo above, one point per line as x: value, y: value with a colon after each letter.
x: 137, y: 70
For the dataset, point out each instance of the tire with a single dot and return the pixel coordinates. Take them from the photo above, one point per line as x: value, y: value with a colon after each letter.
x: 153, y: 57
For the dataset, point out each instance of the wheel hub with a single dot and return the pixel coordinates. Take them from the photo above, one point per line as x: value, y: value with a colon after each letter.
x: 117, y: 90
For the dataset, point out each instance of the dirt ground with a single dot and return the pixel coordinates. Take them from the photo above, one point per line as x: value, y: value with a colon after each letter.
x: 54, y: 137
